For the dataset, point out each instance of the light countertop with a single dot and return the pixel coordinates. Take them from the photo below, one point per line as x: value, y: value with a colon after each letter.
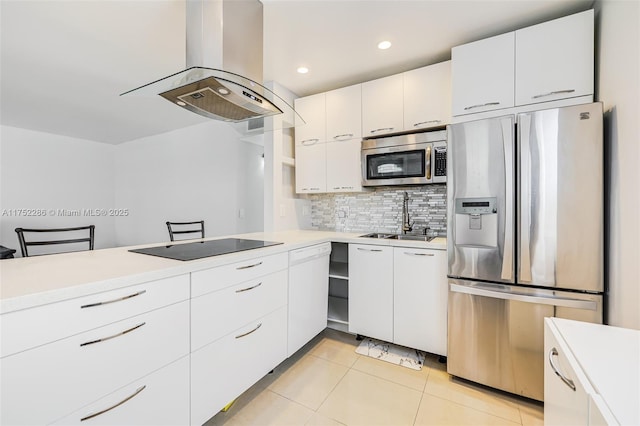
x: 610, y: 358
x: 38, y: 280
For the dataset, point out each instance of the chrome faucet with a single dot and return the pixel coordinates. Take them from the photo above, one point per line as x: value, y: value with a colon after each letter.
x: 407, y: 226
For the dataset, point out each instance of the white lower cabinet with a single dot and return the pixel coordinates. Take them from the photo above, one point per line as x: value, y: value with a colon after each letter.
x: 224, y: 369
x: 566, y: 389
x: 161, y: 398
x: 371, y: 291
x: 60, y: 377
x: 420, y: 299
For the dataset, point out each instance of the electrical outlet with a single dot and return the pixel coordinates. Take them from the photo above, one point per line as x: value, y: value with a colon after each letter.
x: 283, y: 210
x: 241, y: 213
x: 306, y: 210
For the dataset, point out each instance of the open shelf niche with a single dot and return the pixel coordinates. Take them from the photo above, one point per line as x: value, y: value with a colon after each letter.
x: 338, y: 315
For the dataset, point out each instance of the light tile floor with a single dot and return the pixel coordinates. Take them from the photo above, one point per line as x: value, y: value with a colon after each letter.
x: 327, y: 383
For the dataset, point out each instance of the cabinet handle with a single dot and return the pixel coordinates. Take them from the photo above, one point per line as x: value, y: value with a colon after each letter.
x: 427, y: 122
x: 248, y: 266
x: 348, y: 135
x: 482, y: 105
x: 557, y: 92
x: 314, y: 189
x: 381, y: 129
x: 364, y: 249
x: 103, y: 339
x: 554, y: 352
x: 418, y: 254
x: 308, y: 142
x: 90, y: 416
x: 249, y: 332
x: 248, y: 288
x: 91, y: 305
x: 347, y: 187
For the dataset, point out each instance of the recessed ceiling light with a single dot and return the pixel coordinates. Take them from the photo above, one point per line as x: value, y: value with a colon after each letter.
x: 181, y: 103
x: 384, y: 45
x: 303, y: 70
x: 223, y: 91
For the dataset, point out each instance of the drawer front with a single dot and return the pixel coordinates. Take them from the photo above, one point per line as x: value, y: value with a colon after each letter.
x: 161, y: 398
x: 62, y: 376
x: 22, y: 330
x: 214, y: 279
x: 216, y: 314
x: 223, y: 370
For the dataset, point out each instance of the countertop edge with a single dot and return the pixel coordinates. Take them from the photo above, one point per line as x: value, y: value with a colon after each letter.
x: 169, y: 268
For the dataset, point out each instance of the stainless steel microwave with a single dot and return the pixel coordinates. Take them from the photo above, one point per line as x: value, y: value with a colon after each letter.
x: 413, y: 159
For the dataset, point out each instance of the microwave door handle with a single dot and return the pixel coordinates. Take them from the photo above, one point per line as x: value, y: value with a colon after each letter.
x: 428, y: 163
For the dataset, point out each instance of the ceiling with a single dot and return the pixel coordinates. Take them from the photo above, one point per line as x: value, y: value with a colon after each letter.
x: 63, y: 64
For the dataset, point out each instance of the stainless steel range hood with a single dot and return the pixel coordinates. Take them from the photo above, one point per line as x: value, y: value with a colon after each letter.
x: 224, y: 65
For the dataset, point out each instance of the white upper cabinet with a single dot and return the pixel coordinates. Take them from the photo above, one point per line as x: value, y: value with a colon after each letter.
x: 311, y: 168
x: 343, y: 166
x: 427, y: 96
x: 382, y: 106
x: 313, y: 112
x: 344, y: 113
x: 483, y: 75
x: 554, y: 60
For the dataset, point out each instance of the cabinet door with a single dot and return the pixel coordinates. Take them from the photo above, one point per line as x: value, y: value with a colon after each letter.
x: 344, y: 172
x: 312, y: 110
x: 420, y: 299
x: 311, y: 168
x: 344, y: 113
x: 554, y: 60
x: 482, y: 75
x: 224, y: 369
x: 563, y: 405
x: 371, y: 291
x: 382, y: 106
x: 161, y: 398
x: 427, y: 96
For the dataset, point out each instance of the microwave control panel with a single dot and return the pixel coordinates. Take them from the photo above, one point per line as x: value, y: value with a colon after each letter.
x: 440, y: 161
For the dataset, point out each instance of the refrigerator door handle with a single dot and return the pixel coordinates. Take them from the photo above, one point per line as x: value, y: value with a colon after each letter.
x: 507, y: 255
x: 524, y: 203
x: 541, y: 300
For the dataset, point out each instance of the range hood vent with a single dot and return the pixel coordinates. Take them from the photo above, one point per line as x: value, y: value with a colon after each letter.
x: 224, y: 68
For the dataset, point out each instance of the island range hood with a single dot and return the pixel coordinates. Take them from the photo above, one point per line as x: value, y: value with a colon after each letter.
x: 224, y: 65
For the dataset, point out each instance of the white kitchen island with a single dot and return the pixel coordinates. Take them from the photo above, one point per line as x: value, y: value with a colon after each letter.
x: 114, y: 337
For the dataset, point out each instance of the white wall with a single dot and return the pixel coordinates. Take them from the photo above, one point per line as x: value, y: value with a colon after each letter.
x: 45, y: 171
x: 618, y: 72
x: 202, y: 172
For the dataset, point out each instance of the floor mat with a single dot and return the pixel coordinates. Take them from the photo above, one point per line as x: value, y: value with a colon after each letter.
x: 399, y: 355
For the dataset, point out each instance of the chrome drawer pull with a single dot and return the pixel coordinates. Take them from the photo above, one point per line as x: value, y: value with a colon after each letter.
x: 248, y: 266
x: 248, y: 288
x: 364, y: 249
x: 419, y: 254
x: 311, y: 142
x: 381, y: 129
x: 427, y: 122
x: 91, y: 305
x: 114, y: 336
x: 349, y: 135
x: 557, y: 92
x: 90, y: 416
x: 249, y: 332
x: 554, y: 352
x: 482, y: 105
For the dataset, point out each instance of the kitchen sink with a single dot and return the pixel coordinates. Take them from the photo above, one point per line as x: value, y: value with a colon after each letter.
x: 378, y: 235
x: 409, y: 237
x: 412, y: 237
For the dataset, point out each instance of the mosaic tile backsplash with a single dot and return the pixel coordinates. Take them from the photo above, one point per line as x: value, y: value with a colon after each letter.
x: 380, y: 210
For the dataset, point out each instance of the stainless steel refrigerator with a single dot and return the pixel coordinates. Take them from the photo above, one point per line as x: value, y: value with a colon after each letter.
x: 525, y: 239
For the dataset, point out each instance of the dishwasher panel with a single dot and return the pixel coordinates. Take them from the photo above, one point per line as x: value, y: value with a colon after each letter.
x: 308, y: 294
x: 496, y: 332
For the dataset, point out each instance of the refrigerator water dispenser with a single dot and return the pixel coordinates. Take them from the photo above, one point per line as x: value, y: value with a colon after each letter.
x: 476, y: 222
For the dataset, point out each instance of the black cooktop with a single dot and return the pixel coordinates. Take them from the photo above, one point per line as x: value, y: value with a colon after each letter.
x: 201, y: 249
